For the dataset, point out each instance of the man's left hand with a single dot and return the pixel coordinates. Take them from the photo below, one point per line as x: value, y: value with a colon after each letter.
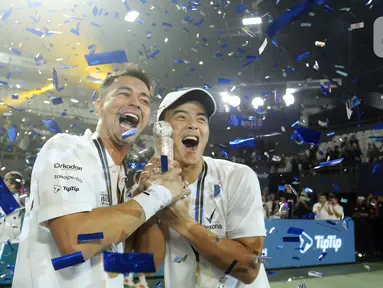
x: 177, y: 215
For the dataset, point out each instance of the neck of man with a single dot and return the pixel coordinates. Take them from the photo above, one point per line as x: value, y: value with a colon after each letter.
x: 117, y: 153
x: 190, y: 173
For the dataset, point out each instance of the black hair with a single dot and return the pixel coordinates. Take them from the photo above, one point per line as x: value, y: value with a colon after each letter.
x: 129, y: 70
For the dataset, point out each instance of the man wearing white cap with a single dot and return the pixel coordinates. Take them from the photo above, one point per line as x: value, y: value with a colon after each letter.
x: 216, y: 235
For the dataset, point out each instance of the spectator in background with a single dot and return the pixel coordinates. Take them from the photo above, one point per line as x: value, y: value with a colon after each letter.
x: 373, y: 225
x: 360, y: 216
x: 322, y: 209
x: 273, y: 206
x: 336, y: 209
x: 352, y: 140
x: 302, y: 207
x: 335, y: 154
x: 372, y: 153
x: 355, y: 153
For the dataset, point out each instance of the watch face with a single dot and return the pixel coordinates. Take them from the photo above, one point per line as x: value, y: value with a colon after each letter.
x: 162, y: 129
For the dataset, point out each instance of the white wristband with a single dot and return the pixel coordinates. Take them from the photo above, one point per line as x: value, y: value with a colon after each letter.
x: 154, y: 199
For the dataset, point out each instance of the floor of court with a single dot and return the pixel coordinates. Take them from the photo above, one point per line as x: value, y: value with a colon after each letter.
x: 365, y: 274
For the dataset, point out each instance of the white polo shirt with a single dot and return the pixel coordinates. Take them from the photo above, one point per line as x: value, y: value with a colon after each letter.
x: 232, y: 208
x: 339, y: 210
x: 67, y: 178
x: 323, y: 214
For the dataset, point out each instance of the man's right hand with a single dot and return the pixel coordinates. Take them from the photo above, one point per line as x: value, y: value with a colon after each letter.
x: 172, y: 181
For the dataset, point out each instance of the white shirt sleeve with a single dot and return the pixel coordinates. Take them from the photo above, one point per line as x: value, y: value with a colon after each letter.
x: 244, y: 216
x: 339, y: 210
x: 62, y: 191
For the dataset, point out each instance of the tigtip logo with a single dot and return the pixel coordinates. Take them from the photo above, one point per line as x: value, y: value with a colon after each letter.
x: 378, y: 37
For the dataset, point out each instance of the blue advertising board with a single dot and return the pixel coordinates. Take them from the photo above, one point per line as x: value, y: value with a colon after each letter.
x: 292, y: 243
x: 289, y: 243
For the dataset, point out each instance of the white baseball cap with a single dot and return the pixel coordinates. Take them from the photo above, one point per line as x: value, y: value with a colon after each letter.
x: 194, y: 94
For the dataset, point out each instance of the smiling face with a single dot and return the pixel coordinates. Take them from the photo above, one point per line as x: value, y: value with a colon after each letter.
x: 190, y: 132
x: 125, y: 105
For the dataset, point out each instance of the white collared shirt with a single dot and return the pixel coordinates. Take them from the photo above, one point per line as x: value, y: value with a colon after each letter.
x: 67, y: 178
x: 234, y: 212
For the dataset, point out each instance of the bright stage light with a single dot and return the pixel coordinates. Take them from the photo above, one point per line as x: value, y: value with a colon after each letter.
x: 234, y: 101
x: 252, y: 21
x: 289, y: 99
x: 225, y: 97
x: 257, y: 101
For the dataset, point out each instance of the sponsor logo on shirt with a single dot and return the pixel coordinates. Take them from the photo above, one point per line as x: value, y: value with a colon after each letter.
x: 68, y: 177
x: 104, y: 199
x: 63, y: 166
x: 210, y: 220
x: 57, y: 188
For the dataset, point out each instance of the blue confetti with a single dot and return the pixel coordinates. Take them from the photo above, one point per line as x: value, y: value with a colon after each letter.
x: 336, y: 187
x: 84, y: 238
x: 95, y: 11
x: 57, y: 100
x: 296, y: 231
x: 106, y: 58
x: 331, y: 134
x: 35, y: 32
x: 67, y: 261
x: 306, y: 135
x: 331, y: 222
x: 35, y: 20
x: 52, y: 125
x: 15, y: 96
x: 12, y: 133
x: 303, y: 56
x: 295, y: 258
x: 154, y: 54
x: 377, y: 167
x: 128, y: 133
x: 291, y: 239
x: 6, y: 14
x: 167, y: 24
x: 56, y: 81
x: 279, y: 246
x: 378, y: 127
x: 77, y: 30
x: 7, y: 202
x: 252, y: 58
x: 242, y: 143
x: 329, y: 163
x: 224, y: 154
x: 289, y: 16
x: 34, y: 4
x: 321, y: 257
x: 16, y: 52
x: 3, y: 83
x: 129, y: 262
x: 94, y: 95
x: 224, y: 81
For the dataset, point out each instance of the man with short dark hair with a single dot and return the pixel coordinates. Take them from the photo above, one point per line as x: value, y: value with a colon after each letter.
x: 336, y: 209
x: 215, y: 237
x: 321, y: 209
x: 75, y: 189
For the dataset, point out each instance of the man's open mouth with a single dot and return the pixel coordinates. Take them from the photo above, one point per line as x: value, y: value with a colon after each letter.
x: 129, y: 120
x: 190, y: 141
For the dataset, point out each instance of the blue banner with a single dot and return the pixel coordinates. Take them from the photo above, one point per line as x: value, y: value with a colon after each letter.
x: 308, y: 243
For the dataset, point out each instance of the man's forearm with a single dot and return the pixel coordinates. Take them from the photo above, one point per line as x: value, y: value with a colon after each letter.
x: 117, y: 223
x: 222, y: 253
x: 151, y: 239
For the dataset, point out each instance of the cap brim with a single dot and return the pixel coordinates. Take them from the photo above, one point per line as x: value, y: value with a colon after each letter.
x: 195, y: 94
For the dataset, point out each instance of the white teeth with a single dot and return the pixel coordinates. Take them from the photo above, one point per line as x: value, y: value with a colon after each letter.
x: 131, y: 115
x: 191, y: 138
